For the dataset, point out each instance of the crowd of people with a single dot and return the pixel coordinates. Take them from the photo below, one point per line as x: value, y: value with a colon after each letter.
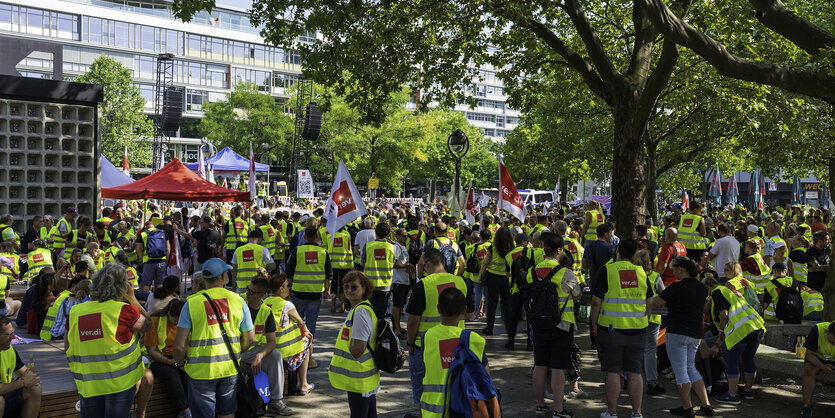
x: 199, y: 293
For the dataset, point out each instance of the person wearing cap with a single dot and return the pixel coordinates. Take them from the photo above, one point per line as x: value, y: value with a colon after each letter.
x: 772, y: 232
x: 248, y: 258
x: 199, y: 346
x: 552, y: 344
x: 753, y: 232
x: 63, y: 232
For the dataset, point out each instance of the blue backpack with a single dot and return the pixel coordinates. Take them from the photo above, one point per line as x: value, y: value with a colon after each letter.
x: 471, y: 391
x: 155, y: 247
x: 450, y: 256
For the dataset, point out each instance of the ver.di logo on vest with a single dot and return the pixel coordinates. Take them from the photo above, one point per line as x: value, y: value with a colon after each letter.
x: 446, y: 349
x: 311, y: 257
x: 379, y: 254
x: 89, y: 327
x: 222, y: 306
x: 248, y: 256
x: 628, y: 279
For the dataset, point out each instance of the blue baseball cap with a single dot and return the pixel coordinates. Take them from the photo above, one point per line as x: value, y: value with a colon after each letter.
x: 215, y: 267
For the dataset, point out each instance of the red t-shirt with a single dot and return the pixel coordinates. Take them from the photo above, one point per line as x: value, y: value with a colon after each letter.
x: 127, y: 319
x: 668, y: 253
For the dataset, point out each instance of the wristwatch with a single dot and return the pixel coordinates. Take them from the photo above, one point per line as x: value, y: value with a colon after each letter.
x: 176, y: 365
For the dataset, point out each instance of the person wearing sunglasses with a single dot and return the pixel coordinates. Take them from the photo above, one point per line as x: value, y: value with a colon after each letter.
x: 352, y: 367
x: 24, y: 394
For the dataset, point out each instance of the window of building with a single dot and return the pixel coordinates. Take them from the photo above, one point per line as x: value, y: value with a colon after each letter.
x: 195, y: 99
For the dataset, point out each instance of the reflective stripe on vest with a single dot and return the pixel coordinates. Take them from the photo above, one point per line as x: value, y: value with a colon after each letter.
x: 269, y: 238
x: 688, y: 232
x: 289, y: 339
x: 100, y: 364
x: 346, y: 372
x: 260, y: 323
x: 758, y: 282
x: 498, y: 265
x: 208, y: 357
x: 801, y: 270
x: 51, y: 313
x: 573, y: 246
x: 6, y: 273
x: 162, y: 332
x: 248, y: 258
x: 133, y: 277
x: 379, y: 263
x: 433, y: 285
x: 310, y: 269
x: 59, y: 242
x: 812, y: 301
x: 624, y: 304
x: 742, y: 318
x: 770, y: 313
x: 439, y: 347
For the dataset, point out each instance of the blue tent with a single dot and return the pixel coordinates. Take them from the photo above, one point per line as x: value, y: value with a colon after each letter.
x: 228, y: 160
x: 112, y: 176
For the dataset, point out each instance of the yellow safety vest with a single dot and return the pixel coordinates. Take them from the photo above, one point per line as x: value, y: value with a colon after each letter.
x: 338, y: 249
x: 6, y: 274
x: 688, y: 232
x: 509, y: 259
x: 325, y: 236
x: 59, y: 242
x: 288, y: 340
x: 433, y: 285
x: 417, y: 234
x: 162, y: 331
x: 439, y: 346
x: 825, y: 350
x: 3, y: 228
x: 133, y: 277
x: 74, y: 239
x: 379, y: 263
x: 624, y: 304
x: 51, y: 313
x: 237, y: 231
x: 572, y: 246
x: 247, y: 259
x: 566, y: 302
x: 497, y: 265
x: 469, y: 251
x: 597, y: 218
x: 260, y: 322
x: 758, y: 282
x: 801, y: 270
x: 358, y: 375
x: 309, y: 276
x: 99, y: 363
x: 282, y: 231
x: 8, y: 361
x: 208, y: 357
x: 654, y: 317
x: 742, y: 318
x: 269, y: 238
x: 770, y: 314
x: 812, y: 301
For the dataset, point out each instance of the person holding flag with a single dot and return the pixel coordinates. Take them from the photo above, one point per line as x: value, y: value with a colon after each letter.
x: 470, y: 208
x: 125, y: 165
x: 509, y: 198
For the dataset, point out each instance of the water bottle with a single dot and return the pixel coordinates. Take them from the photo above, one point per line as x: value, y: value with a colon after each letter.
x: 611, y: 329
x: 797, y: 348
x: 31, y: 363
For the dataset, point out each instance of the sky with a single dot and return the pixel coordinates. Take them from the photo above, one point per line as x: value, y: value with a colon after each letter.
x: 241, y: 4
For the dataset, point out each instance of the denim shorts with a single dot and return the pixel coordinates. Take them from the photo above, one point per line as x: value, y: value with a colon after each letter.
x: 207, y: 398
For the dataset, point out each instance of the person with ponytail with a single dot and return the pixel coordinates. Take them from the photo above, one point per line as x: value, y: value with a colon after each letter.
x: 160, y: 344
x: 293, y: 337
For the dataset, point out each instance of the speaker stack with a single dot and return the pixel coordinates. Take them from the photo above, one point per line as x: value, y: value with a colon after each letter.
x: 172, y: 108
x: 312, y: 122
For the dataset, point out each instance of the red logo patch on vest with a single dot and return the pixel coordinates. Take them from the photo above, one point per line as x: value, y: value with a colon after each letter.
x: 131, y: 276
x: 543, y: 272
x: 446, y: 348
x: 481, y: 254
x: 628, y: 279
x: 572, y: 248
x: 37, y: 257
x: 311, y: 257
x: 248, y: 255
x: 599, y: 217
x: 450, y: 234
x: 89, y: 327
x: 379, y: 254
x: 222, y: 306
x: 514, y: 256
x: 271, y: 232
x: 337, y: 242
x: 259, y: 329
x: 346, y: 333
x: 687, y: 223
x: 239, y: 225
x: 441, y: 287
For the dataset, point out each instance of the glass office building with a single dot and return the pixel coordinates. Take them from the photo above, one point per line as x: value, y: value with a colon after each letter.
x: 212, y: 53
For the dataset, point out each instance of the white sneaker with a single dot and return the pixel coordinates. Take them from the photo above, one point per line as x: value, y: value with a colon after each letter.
x: 606, y: 414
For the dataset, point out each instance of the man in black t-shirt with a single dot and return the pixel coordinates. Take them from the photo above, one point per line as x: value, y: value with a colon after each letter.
x: 262, y: 354
x: 21, y: 397
x: 208, y: 240
x: 818, y: 260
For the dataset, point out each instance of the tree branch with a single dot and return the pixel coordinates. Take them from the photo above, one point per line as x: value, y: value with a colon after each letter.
x: 806, y: 35
x: 597, y: 53
x: 658, y: 80
x: 816, y: 85
x: 680, y: 123
x: 641, y: 56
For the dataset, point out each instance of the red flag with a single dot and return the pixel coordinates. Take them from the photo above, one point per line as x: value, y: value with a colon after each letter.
x: 125, y: 165
x: 345, y: 203
x: 685, y: 202
x: 226, y: 185
x: 470, y: 208
x: 509, y: 198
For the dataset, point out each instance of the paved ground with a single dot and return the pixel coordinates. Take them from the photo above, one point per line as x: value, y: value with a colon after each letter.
x: 775, y: 397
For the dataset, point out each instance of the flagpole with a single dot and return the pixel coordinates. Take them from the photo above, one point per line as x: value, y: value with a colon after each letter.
x: 499, y: 200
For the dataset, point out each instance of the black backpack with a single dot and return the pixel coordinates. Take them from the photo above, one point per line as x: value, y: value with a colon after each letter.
x: 388, y: 355
x: 415, y: 249
x: 473, y: 265
x: 789, y: 307
x: 543, y: 301
x: 519, y: 269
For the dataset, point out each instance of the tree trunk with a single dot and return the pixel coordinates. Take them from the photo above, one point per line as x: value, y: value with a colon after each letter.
x: 563, y: 191
x: 652, y: 179
x: 628, y: 183
x: 828, y: 290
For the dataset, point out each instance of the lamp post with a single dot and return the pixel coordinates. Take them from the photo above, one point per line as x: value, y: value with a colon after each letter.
x: 458, y: 145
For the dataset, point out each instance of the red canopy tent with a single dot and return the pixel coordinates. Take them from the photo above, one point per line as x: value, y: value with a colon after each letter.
x: 175, y: 182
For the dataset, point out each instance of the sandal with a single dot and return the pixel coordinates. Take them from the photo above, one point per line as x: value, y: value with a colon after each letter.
x: 303, y: 392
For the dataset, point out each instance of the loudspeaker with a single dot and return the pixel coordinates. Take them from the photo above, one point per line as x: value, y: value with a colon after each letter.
x: 172, y: 109
x: 312, y: 122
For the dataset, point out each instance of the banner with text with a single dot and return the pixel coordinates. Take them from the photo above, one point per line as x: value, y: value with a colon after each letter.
x: 304, y: 189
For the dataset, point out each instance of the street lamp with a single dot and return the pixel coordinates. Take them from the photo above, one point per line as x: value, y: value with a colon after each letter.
x: 458, y: 145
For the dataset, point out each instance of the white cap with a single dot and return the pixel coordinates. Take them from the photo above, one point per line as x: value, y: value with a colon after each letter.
x: 463, y: 222
x: 753, y: 228
x: 304, y: 218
